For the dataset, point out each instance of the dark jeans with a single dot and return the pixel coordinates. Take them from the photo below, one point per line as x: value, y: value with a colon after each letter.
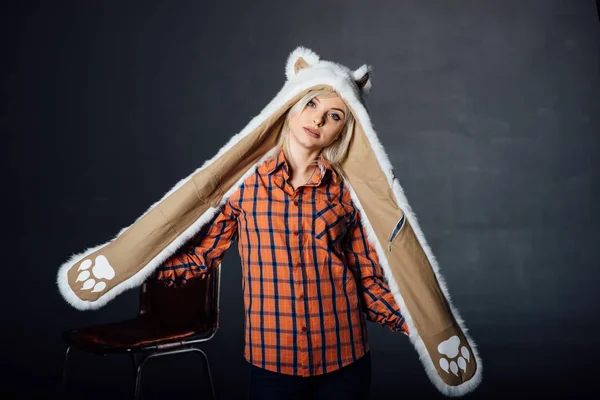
x: 351, y: 382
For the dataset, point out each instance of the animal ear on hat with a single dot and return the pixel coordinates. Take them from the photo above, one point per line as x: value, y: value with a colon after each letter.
x: 299, y: 59
x: 362, y: 77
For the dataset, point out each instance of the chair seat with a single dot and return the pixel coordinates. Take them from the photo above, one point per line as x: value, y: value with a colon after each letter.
x: 141, y: 331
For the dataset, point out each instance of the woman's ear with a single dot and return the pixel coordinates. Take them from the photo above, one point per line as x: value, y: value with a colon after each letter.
x: 298, y: 60
x: 362, y: 77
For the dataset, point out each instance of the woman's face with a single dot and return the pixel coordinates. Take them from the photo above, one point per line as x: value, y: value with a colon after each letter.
x: 319, y: 124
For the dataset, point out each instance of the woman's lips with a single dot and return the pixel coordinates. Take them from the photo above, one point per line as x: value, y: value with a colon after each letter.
x: 310, y: 133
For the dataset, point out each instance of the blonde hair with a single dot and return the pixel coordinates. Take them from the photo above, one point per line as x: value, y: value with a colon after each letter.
x: 336, y: 151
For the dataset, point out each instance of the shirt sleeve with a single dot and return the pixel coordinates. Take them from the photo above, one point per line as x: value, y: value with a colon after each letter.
x: 378, y: 300
x: 203, y: 252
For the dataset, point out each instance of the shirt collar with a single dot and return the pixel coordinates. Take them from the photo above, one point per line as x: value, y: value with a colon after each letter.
x: 274, y: 163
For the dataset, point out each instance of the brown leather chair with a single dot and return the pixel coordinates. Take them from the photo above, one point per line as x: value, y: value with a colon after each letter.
x: 169, y: 321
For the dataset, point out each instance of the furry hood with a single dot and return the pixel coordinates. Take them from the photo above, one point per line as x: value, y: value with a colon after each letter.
x: 92, y: 278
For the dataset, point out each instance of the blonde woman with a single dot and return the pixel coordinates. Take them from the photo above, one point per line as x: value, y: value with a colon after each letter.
x: 310, y: 277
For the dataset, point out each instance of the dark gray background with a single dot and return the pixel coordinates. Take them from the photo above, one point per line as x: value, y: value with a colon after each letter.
x: 489, y: 111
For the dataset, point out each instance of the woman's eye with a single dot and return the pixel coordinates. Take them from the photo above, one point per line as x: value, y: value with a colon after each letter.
x: 335, y: 117
x: 310, y: 102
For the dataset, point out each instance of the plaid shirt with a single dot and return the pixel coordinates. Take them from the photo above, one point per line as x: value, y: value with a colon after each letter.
x: 308, y: 270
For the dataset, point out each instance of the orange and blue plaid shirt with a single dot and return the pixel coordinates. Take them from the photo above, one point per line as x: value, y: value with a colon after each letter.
x: 309, y: 273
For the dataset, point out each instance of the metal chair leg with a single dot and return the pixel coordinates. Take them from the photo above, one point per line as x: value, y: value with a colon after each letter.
x: 134, y: 364
x: 138, y: 380
x: 205, y: 357
x: 138, y: 377
x: 63, y: 382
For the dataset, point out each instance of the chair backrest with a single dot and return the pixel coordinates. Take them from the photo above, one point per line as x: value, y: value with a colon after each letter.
x: 195, y: 303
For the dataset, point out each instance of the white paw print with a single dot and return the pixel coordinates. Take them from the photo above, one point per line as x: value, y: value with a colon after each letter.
x: 100, y: 270
x: 449, y: 348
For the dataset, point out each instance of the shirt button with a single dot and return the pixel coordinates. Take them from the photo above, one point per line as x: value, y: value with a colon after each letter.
x: 296, y: 233
x: 295, y: 203
x: 303, y: 328
x: 301, y: 296
x: 297, y: 265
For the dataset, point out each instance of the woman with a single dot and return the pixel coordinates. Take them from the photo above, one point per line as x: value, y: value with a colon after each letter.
x: 308, y: 271
x: 308, y: 264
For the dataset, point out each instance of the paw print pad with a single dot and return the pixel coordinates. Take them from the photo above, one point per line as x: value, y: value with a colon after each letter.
x: 450, y: 348
x: 101, y: 271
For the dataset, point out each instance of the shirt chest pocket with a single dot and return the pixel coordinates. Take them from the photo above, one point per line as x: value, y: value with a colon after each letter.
x: 332, y: 221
